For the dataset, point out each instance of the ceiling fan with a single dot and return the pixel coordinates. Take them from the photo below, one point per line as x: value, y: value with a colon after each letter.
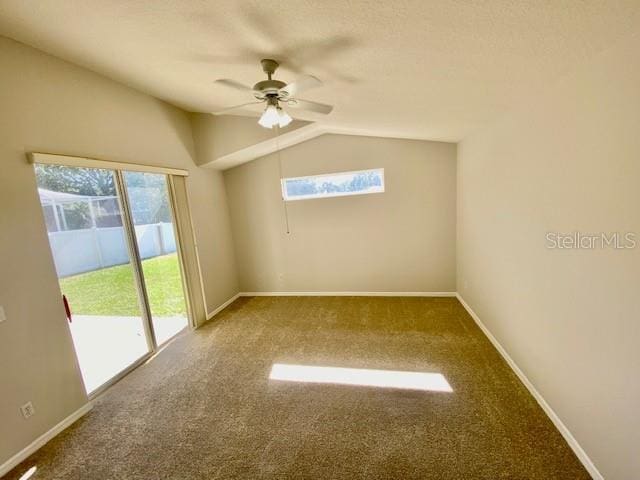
x: 274, y: 93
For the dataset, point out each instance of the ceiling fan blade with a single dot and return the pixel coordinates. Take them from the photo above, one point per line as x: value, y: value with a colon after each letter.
x: 311, y: 106
x: 236, y: 107
x: 233, y: 84
x: 305, y: 82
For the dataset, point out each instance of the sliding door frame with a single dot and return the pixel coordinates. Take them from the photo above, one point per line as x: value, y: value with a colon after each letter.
x: 84, y: 162
x: 177, y: 231
x: 118, y: 169
x: 134, y: 253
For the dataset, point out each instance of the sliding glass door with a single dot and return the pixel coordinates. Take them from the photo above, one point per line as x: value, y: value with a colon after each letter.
x: 114, y: 248
x: 149, y: 199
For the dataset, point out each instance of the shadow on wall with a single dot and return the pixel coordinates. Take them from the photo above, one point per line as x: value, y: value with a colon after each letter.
x: 180, y: 129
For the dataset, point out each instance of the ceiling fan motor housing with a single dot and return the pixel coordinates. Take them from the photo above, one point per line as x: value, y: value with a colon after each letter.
x: 266, y: 88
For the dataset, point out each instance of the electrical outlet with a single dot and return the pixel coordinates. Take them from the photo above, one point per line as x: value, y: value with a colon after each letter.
x: 27, y: 410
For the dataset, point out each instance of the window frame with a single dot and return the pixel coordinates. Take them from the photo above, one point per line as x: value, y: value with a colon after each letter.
x: 312, y: 196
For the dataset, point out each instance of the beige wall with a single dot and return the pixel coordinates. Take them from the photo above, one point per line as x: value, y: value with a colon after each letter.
x: 211, y: 222
x: 52, y: 106
x: 568, y: 160
x: 401, y: 240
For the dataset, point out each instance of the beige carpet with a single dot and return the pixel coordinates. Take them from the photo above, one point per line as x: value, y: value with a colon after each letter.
x: 205, y: 408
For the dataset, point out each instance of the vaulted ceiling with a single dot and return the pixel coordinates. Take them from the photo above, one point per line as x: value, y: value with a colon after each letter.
x: 433, y: 69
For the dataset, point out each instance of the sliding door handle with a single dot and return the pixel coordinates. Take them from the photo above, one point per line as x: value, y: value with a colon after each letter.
x: 67, y: 309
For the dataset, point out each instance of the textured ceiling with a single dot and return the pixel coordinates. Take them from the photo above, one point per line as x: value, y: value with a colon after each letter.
x: 428, y: 69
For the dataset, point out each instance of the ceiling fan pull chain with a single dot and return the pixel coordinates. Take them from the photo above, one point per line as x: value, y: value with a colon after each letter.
x: 284, y: 202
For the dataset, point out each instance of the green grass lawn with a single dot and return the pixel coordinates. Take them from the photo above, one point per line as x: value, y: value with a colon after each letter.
x: 112, y: 291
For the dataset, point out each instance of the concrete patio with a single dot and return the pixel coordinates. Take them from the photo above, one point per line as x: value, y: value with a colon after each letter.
x: 106, y: 345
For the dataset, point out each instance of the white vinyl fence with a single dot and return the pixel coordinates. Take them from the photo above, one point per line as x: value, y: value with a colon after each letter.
x: 78, y: 251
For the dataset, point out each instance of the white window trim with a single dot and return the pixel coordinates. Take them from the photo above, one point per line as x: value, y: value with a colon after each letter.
x: 286, y: 198
x: 69, y: 161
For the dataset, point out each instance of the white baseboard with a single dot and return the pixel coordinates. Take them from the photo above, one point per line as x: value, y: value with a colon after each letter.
x: 223, y: 306
x: 347, y: 294
x: 42, y: 439
x: 562, y: 428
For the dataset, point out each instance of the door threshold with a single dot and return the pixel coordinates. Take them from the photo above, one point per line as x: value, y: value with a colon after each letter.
x: 111, y: 382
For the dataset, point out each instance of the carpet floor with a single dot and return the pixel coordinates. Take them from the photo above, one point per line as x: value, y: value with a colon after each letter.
x: 205, y: 407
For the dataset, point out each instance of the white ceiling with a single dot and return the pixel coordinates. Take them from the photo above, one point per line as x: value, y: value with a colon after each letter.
x: 433, y: 69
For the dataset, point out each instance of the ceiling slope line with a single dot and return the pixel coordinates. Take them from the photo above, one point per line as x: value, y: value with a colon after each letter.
x: 294, y: 137
x: 265, y: 147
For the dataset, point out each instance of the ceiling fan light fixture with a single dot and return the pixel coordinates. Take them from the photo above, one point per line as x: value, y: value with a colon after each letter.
x: 284, y: 118
x: 270, y: 117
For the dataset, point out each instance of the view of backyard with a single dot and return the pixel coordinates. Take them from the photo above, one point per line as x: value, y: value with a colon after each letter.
x: 110, y: 291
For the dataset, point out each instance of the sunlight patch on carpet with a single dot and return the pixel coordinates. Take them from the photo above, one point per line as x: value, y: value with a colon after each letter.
x: 29, y: 473
x: 433, y: 382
